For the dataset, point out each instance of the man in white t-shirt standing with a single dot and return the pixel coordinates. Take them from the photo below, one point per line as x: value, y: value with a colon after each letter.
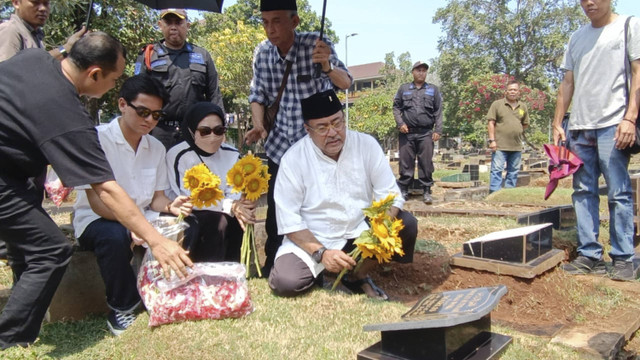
x: 138, y: 163
x: 601, y: 126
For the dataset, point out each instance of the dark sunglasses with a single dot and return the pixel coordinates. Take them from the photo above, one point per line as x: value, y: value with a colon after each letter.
x: 142, y: 111
x: 218, y: 130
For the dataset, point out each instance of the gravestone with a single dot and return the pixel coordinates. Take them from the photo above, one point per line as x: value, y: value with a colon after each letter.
x: 451, y: 325
x: 447, y: 157
x: 454, y: 165
x: 456, y: 178
x: 473, y: 170
x: 519, y: 245
x: 562, y: 217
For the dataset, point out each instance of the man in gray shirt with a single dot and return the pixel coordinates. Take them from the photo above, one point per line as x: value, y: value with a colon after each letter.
x: 601, y: 126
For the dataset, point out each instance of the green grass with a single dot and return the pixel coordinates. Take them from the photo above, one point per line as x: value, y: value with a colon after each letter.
x: 320, y: 325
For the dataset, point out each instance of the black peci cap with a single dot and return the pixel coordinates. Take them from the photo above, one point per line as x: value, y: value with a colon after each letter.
x: 271, y: 5
x: 320, y: 105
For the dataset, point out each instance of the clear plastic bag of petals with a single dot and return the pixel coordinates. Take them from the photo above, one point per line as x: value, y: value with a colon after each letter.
x: 56, y: 191
x: 210, y: 291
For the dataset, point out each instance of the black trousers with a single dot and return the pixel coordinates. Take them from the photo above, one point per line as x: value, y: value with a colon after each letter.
x: 38, y: 253
x: 412, y: 146
x: 271, y: 226
x: 291, y: 276
x: 213, y: 236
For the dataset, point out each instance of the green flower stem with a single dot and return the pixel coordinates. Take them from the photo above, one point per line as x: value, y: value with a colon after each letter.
x: 355, y: 254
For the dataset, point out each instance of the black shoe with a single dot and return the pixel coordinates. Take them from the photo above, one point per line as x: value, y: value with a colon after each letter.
x: 622, y: 270
x: 584, y: 265
x: 119, y: 321
x: 356, y: 286
x: 426, y: 197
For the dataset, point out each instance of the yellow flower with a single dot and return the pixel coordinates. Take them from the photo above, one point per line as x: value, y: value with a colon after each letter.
x: 235, y: 178
x: 384, y: 202
x: 196, y: 176
x: 254, y: 186
x: 249, y: 164
x: 206, y: 195
x: 264, y: 173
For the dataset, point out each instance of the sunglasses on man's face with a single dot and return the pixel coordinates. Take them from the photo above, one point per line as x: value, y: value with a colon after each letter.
x: 218, y: 130
x: 143, y: 112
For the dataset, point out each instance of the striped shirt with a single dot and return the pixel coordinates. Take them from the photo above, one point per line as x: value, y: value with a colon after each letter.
x: 268, y: 70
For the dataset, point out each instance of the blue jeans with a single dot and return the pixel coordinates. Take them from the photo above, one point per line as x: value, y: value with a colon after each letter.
x: 597, y: 150
x: 498, y: 158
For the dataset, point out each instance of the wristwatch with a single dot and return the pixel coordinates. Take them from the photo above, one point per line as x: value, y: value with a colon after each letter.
x: 490, y: 141
x: 317, y: 255
x: 63, y: 51
x: 330, y: 68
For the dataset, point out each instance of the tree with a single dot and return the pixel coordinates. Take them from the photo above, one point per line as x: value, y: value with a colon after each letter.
x: 129, y: 21
x: 248, y: 12
x: 521, y: 38
x: 373, y: 110
x: 232, y: 51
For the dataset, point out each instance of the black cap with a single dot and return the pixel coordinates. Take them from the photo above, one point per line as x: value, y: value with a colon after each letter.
x: 271, y: 5
x: 320, y: 105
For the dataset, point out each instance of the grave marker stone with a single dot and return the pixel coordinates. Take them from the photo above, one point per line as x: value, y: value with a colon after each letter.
x: 520, y: 245
x: 473, y: 170
x: 451, y: 325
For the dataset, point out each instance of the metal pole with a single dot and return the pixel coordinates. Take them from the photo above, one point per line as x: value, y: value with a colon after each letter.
x: 346, y: 64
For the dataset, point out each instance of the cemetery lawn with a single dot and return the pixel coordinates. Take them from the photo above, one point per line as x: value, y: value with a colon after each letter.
x: 328, y: 325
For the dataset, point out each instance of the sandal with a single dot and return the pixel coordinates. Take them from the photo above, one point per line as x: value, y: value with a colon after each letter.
x: 356, y: 286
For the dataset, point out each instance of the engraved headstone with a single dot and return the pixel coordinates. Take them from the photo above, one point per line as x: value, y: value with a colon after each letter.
x: 448, y: 325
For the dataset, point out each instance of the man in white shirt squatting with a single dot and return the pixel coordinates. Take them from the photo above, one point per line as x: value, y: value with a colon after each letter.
x: 324, y: 182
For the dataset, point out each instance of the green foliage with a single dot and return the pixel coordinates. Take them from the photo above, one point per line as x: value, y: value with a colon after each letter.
x: 232, y: 51
x: 248, y: 12
x: 480, y: 91
x: 522, y: 38
x: 129, y: 21
x: 372, y: 114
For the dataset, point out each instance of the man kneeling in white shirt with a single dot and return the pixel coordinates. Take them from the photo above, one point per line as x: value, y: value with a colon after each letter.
x: 138, y: 163
x: 324, y: 182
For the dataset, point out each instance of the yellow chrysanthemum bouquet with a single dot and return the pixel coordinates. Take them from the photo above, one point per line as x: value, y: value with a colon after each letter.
x: 204, y: 186
x: 381, y: 240
x: 249, y: 177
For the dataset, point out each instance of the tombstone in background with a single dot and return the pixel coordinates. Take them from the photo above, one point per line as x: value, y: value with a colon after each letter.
x: 562, y: 217
x: 522, y: 252
x: 447, y: 157
x: 473, y: 170
x: 520, y: 245
x: 450, y: 325
x: 454, y: 165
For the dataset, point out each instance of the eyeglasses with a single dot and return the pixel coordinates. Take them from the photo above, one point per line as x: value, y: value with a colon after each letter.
x: 142, y: 111
x: 323, y: 129
x: 218, y: 130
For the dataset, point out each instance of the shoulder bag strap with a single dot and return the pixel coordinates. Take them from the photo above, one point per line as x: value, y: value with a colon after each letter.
x: 284, y: 82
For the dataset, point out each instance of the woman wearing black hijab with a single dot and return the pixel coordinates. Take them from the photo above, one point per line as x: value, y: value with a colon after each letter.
x: 216, y: 230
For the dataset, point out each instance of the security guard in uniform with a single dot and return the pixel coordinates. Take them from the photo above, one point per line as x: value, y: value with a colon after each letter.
x: 186, y: 70
x: 417, y: 109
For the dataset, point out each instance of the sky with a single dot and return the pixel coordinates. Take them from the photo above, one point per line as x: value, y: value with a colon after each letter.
x: 399, y: 26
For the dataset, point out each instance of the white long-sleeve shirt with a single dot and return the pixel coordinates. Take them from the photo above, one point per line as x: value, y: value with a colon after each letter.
x: 325, y: 196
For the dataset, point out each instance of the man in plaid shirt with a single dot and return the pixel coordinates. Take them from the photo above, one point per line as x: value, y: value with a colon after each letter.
x: 303, y: 50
